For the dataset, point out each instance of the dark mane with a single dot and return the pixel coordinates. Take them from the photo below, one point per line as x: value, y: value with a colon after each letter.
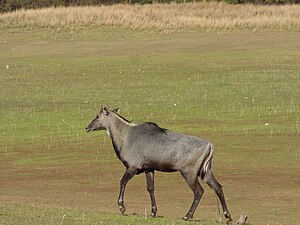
x: 156, y: 128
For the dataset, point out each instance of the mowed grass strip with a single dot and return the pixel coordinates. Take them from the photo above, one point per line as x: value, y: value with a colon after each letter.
x: 165, y: 17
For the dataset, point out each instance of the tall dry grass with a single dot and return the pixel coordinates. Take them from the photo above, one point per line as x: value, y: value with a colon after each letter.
x: 202, y: 15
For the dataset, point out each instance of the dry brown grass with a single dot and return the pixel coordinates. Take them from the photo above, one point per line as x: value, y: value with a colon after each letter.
x: 203, y: 15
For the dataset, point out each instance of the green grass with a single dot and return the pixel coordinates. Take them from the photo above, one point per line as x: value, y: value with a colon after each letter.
x: 240, y: 90
x: 18, y: 214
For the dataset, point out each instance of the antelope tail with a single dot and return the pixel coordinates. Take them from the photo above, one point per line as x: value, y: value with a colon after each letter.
x: 206, y: 164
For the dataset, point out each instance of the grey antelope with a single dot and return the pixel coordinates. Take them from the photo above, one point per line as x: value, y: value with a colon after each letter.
x: 146, y: 147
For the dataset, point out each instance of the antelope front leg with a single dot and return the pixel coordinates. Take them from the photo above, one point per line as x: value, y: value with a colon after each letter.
x: 129, y: 173
x: 150, y: 188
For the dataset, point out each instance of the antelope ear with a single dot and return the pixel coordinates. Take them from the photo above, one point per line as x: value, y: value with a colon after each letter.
x: 116, y: 110
x: 105, y: 111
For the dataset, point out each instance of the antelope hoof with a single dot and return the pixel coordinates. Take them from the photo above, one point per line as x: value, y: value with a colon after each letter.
x: 228, y: 217
x: 187, y: 218
x: 229, y: 221
x: 153, y: 215
x: 122, y: 209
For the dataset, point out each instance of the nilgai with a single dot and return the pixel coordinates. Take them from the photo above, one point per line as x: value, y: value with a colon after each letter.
x: 146, y: 147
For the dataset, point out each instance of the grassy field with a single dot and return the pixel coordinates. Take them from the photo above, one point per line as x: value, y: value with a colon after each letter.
x: 28, y: 215
x: 239, y: 89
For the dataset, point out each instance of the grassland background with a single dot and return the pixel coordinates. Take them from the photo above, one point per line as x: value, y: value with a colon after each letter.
x: 238, y: 88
